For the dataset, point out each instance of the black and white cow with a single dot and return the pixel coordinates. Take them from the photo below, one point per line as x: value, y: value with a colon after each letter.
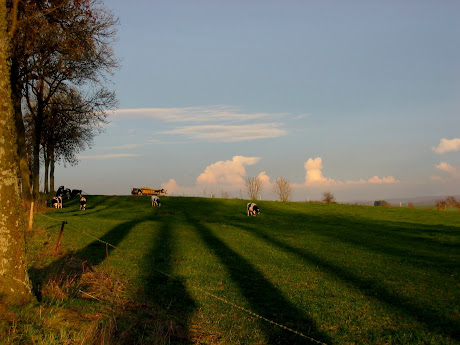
x: 82, y: 202
x: 56, y: 202
x: 253, y: 209
x: 156, y: 201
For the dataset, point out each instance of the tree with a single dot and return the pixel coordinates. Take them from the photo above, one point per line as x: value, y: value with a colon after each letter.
x: 282, y: 188
x: 451, y: 202
x: 328, y: 198
x: 72, y: 121
x: 59, y: 42
x: 14, y: 281
x: 253, y: 186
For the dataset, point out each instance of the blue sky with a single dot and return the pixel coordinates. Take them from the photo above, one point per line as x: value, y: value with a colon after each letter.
x: 359, y: 98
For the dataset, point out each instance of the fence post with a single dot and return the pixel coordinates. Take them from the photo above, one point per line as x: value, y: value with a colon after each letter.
x: 59, y: 239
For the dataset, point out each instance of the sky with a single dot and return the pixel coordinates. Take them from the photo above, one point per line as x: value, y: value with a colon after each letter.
x: 357, y: 98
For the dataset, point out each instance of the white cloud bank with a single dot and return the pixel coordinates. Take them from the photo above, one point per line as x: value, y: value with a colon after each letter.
x: 230, y: 133
x: 216, y: 113
x: 314, y: 176
x: 110, y: 156
x: 212, y: 124
x: 447, y: 145
x: 229, y: 176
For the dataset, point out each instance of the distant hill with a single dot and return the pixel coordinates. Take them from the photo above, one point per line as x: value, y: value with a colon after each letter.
x: 417, y: 201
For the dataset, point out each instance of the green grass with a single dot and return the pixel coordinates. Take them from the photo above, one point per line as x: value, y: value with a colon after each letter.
x: 339, y: 274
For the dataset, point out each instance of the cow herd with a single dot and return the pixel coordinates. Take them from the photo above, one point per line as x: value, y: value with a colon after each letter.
x: 251, y: 208
x: 56, y: 202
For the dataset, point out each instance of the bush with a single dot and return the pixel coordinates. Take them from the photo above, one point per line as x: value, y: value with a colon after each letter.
x: 382, y: 203
x: 328, y: 198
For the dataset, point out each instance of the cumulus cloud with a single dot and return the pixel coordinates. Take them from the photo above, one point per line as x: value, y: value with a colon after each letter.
x: 222, y: 175
x: 314, y: 176
x: 266, y: 183
x: 446, y: 167
x: 230, y: 172
x: 447, y: 145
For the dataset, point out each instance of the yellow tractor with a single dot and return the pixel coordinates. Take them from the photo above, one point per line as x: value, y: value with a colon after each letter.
x: 148, y: 191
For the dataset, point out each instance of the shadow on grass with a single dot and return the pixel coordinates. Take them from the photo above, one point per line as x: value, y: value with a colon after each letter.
x: 370, y: 287
x: 263, y: 297
x: 95, y: 252
x: 159, y: 286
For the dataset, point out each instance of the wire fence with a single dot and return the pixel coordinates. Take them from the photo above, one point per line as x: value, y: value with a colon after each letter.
x: 219, y: 298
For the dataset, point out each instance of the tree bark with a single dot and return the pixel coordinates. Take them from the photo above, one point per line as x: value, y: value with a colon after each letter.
x: 16, y: 96
x: 52, y: 164
x: 14, y: 281
x: 36, y: 146
x: 47, y: 169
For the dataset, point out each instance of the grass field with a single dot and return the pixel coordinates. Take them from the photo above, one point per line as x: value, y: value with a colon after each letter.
x: 334, y: 274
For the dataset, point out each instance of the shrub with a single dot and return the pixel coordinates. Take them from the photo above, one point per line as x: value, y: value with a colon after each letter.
x: 382, y: 203
x: 328, y: 198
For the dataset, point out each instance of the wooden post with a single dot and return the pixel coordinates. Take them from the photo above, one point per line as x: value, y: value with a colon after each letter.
x: 31, y: 215
x: 59, y: 239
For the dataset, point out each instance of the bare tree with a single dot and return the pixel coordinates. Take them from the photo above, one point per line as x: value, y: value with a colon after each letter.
x: 253, y: 186
x: 328, y: 198
x: 282, y: 188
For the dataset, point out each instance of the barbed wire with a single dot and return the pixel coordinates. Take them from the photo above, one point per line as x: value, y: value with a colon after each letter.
x: 223, y: 300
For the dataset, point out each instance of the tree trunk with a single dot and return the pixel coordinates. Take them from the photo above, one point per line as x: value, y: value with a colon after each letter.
x: 47, y: 166
x: 24, y: 171
x: 37, y: 142
x: 51, y: 155
x: 14, y: 281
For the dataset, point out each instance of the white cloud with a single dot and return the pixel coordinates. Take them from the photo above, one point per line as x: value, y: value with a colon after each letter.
x: 110, y: 156
x: 314, y: 176
x: 213, y: 123
x: 225, y: 176
x: 229, y: 173
x: 230, y: 133
x: 446, y: 167
x: 447, y: 145
x: 375, y: 180
x: 216, y: 113
x: 266, y: 183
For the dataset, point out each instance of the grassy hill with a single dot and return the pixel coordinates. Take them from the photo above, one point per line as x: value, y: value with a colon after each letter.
x: 199, y: 271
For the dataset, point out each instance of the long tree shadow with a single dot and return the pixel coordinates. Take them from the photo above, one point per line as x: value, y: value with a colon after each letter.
x: 263, y: 297
x: 394, y: 238
x: 161, y: 289
x: 372, y: 288
x: 95, y: 252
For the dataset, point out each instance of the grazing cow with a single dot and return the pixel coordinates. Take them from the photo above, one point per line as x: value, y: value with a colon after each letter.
x: 82, y: 202
x: 56, y: 202
x: 156, y: 201
x: 253, y: 209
